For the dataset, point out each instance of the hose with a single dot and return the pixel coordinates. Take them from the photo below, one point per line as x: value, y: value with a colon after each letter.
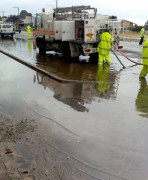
x: 129, y: 58
x: 54, y: 76
x: 42, y: 70
x: 118, y: 58
x: 120, y: 47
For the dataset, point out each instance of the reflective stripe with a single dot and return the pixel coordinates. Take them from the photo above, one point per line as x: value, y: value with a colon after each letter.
x: 106, y: 41
x: 146, y: 58
x: 104, y: 49
x: 145, y: 46
x: 43, y: 32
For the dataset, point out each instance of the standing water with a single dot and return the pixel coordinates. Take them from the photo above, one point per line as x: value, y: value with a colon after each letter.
x: 92, y: 127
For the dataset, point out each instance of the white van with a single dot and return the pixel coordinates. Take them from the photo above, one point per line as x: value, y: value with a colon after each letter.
x: 7, y: 30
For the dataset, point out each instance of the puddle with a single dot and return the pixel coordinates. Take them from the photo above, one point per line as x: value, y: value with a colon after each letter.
x: 106, y: 111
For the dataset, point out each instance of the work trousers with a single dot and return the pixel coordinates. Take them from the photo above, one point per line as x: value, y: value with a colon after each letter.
x: 103, y: 57
x: 144, y: 71
x: 141, y: 40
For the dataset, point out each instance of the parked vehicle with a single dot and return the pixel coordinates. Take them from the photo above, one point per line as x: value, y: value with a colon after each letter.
x: 18, y: 30
x: 72, y: 31
x: 7, y: 30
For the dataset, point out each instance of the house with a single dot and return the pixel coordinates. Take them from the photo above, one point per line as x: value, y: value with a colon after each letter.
x: 26, y: 21
x: 127, y: 24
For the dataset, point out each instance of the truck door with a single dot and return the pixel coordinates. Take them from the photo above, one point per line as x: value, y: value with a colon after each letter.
x: 68, y: 30
x: 58, y: 30
x: 90, y: 33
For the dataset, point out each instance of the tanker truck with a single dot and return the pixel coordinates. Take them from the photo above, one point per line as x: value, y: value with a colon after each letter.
x: 73, y: 31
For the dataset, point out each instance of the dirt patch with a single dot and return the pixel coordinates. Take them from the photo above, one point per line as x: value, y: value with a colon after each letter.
x: 13, y: 132
x: 26, y: 154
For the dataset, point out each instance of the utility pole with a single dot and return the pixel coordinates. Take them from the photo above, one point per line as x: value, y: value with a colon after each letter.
x: 3, y: 13
x: 17, y: 10
x: 3, y: 19
x: 56, y: 4
x: 18, y: 15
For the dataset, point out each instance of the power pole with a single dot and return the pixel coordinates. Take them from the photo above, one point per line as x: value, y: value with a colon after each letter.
x: 56, y: 4
x: 3, y: 19
x: 3, y: 13
x: 18, y: 11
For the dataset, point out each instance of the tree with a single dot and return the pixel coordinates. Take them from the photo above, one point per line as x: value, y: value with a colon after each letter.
x: 146, y: 23
x: 24, y: 13
x: 12, y: 18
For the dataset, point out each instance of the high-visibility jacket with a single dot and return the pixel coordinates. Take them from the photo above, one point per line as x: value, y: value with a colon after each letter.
x: 28, y: 29
x: 142, y: 32
x: 145, y: 53
x: 104, y: 45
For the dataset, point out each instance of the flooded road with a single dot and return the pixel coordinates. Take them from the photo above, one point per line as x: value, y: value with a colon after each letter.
x: 94, y: 127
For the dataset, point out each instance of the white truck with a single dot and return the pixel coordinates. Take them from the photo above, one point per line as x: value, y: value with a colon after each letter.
x: 73, y: 31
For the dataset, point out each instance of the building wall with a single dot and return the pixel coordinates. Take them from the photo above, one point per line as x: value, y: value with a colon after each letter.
x: 127, y: 24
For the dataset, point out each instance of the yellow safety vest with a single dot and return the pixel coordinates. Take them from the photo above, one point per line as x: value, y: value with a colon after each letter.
x: 142, y: 32
x: 145, y: 52
x: 28, y: 29
x: 104, y: 45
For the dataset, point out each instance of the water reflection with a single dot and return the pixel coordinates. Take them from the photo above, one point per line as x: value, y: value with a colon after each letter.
x: 142, y: 98
x: 59, y: 67
x: 102, y: 78
x: 7, y: 42
x: 106, y: 83
x: 83, y: 88
x: 72, y: 94
x: 79, y: 94
x: 29, y: 45
x: 66, y: 69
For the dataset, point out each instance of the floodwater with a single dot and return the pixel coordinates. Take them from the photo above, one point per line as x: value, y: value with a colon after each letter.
x: 94, y: 127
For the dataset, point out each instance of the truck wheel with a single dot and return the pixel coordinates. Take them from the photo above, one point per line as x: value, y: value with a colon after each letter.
x: 41, y: 49
x: 65, y: 48
x: 41, y: 45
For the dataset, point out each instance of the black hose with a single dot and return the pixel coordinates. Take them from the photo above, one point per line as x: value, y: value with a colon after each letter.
x: 42, y: 70
x: 130, y: 59
x: 118, y: 58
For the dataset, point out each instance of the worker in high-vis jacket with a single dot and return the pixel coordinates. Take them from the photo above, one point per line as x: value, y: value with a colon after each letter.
x: 144, y: 70
x: 142, y: 33
x: 104, y: 47
x: 28, y: 31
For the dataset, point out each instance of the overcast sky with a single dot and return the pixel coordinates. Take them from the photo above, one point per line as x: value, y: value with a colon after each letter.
x: 133, y: 11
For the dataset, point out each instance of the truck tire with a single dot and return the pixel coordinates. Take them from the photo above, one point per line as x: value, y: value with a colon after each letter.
x: 65, y: 48
x: 41, y: 49
x: 41, y: 45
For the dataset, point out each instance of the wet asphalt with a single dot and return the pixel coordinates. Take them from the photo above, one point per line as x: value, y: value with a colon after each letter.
x: 94, y: 127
